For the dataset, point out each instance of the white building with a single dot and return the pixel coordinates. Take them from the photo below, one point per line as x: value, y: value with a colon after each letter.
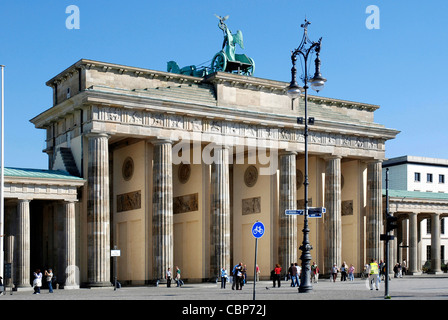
x: 419, y: 185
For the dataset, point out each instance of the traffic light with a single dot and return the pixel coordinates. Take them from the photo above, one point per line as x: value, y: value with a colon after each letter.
x: 391, y: 223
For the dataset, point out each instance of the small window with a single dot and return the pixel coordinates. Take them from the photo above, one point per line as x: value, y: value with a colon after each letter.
x: 417, y: 176
x: 68, y: 93
x: 429, y: 177
x: 441, y: 178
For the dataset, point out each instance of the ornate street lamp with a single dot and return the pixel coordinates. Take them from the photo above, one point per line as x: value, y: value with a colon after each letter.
x: 317, y: 82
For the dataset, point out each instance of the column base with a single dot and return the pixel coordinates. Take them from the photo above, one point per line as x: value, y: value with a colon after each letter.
x: 23, y: 288
x: 435, y: 272
x: 100, y: 285
x: 70, y: 287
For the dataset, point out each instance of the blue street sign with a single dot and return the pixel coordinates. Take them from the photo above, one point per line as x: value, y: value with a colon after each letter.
x: 312, y: 212
x: 258, y: 230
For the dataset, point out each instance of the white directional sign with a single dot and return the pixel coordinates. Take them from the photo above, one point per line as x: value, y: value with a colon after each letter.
x: 312, y: 212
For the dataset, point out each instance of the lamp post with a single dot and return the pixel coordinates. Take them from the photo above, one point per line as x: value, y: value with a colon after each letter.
x: 317, y: 82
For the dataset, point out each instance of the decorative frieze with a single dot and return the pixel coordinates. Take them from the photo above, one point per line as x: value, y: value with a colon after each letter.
x: 186, y: 203
x: 251, y: 205
x: 129, y: 201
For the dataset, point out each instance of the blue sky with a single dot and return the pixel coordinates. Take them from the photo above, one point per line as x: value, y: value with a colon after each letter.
x: 401, y: 66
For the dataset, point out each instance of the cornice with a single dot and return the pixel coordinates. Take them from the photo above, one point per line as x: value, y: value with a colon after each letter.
x: 230, y: 79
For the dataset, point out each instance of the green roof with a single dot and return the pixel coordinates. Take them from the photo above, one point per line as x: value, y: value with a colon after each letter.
x: 416, y: 194
x: 39, y: 173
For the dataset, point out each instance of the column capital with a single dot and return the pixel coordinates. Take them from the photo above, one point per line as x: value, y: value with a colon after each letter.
x: 286, y: 152
x: 97, y: 135
x: 372, y: 161
x: 331, y: 157
x: 158, y: 141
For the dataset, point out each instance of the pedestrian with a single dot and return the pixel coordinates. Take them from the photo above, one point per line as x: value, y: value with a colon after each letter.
x: 257, y: 272
x: 223, y: 278
x: 314, y: 273
x: 168, y: 278
x: 244, y: 271
x: 374, y: 274
x: 403, y: 267
x: 334, y: 272
x: 351, y: 273
x: 396, y: 270
x: 293, y: 275
x: 178, y: 279
x: 277, y: 272
x: 298, y: 273
x: 49, y: 277
x: 382, y: 266
x: 234, y: 276
x: 291, y: 272
x: 37, y: 283
x: 239, y: 277
x: 344, y: 272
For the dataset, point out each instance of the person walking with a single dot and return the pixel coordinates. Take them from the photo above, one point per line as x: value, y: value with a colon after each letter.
x: 168, y: 278
x: 223, y: 278
x: 235, y: 276
x: 178, y: 279
x: 239, y: 277
x: 294, y: 275
x: 49, y: 278
x: 351, y: 273
x: 277, y: 278
x: 334, y: 272
x: 344, y: 272
x: 244, y: 271
x: 374, y: 274
x: 37, y: 283
x: 314, y: 273
x: 257, y: 272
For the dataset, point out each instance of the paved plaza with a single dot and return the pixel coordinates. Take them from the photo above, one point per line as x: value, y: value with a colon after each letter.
x: 208, y: 300
x: 425, y: 287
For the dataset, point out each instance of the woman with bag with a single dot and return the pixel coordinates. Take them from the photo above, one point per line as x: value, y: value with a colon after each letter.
x: 37, y: 283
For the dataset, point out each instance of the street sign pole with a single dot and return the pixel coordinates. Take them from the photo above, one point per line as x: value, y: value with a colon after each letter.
x: 255, y: 267
x: 386, y: 287
x: 257, y: 232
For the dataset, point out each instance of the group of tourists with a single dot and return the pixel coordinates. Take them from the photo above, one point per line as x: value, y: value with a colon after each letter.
x: 346, y: 272
x: 169, y: 277
x: 239, y: 276
x: 294, y: 274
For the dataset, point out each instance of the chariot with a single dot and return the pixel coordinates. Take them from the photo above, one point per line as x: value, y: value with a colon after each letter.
x: 225, y: 60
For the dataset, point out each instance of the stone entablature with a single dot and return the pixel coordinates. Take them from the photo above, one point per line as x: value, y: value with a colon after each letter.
x: 121, y: 100
x: 42, y: 189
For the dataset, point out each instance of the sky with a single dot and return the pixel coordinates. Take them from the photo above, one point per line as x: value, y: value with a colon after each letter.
x: 394, y: 56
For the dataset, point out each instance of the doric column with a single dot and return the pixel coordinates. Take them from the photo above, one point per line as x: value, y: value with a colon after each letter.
x: 220, y: 212
x: 22, y: 246
x: 98, y: 211
x: 332, y: 217
x: 374, y: 210
x: 162, y: 208
x: 435, y: 244
x: 70, y: 268
x: 287, y: 251
x: 413, y: 242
